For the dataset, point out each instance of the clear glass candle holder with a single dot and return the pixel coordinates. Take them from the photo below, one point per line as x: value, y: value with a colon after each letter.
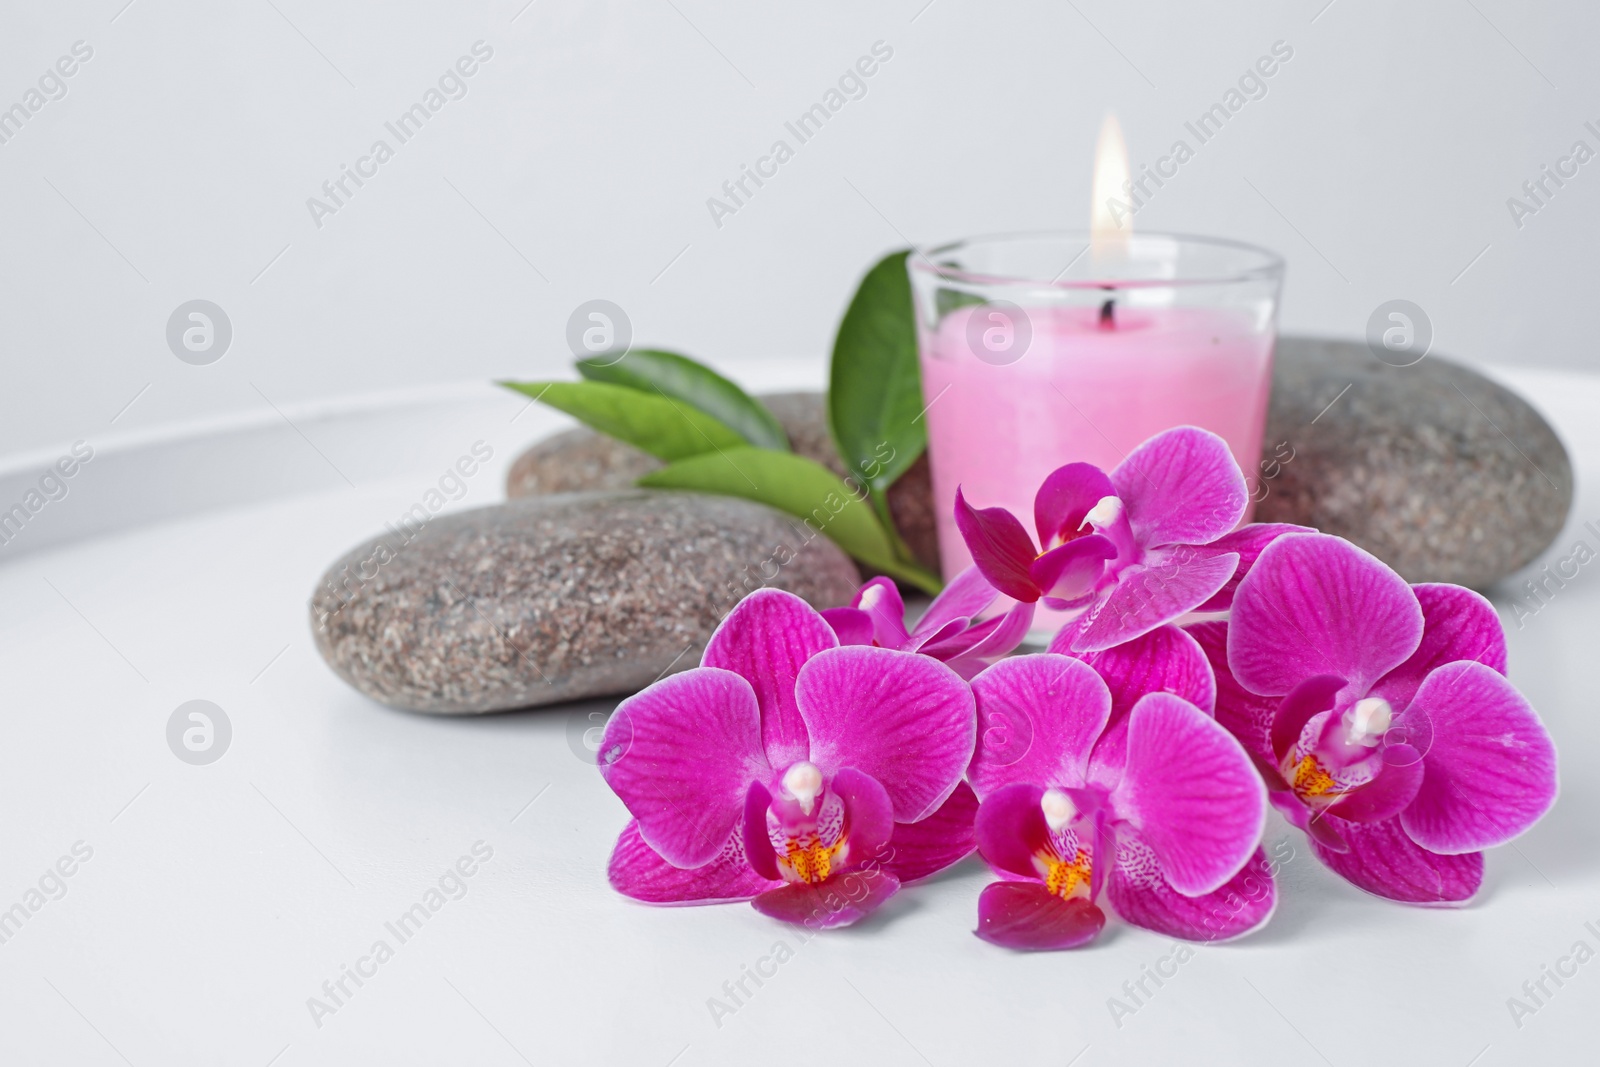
x: 1047, y: 348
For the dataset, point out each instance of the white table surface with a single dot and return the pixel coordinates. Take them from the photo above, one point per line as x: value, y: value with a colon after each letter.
x: 219, y: 898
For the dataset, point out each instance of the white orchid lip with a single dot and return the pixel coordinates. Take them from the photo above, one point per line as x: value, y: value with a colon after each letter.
x: 1058, y: 809
x: 1370, y: 719
x: 803, y: 781
x: 1106, y: 511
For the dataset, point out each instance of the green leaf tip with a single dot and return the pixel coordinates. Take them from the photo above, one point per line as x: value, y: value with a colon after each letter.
x: 671, y: 374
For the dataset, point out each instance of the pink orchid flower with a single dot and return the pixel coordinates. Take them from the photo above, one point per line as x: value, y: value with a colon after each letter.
x: 1123, y: 792
x: 809, y: 778
x: 948, y: 630
x: 1129, y: 551
x: 1380, y: 717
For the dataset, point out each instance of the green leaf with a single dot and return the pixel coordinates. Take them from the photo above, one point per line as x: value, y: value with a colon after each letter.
x: 667, y: 429
x: 802, y: 488
x: 948, y: 300
x: 875, y: 385
x: 651, y: 370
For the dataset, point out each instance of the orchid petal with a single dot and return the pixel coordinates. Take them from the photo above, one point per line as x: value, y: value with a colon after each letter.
x: 1191, y: 792
x: 924, y: 848
x: 1027, y: 916
x: 1039, y: 716
x: 1491, y: 771
x: 1068, y: 494
x: 1169, y: 584
x: 1315, y: 604
x: 1248, y: 542
x: 1073, y: 607
x: 1165, y: 660
x: 869, y: 817
x: 1181, y: 487
x: 1001, y: 548
x: 680, y: 756
x: 1109, y: 760
x: 988, y: 639
x: 1011, y: 631
x: 1315, y: 825
x: 636, y: 870
x: 964, y: 597
x: 1143, y: 898
x: 1246, y: 715
x: 906, y: 720
x: 765, y: 639
x: 1010, y: 829
x: 1069, y: 571
x: 947, y: 646
x: 967, y: 667
x: 837, y: 901
x: 1386, y: 796
x: 954, y: 633
x: 1385, y: 862
x: 880, y: 599
x: 851, y: 626
x: 1457, y: 624
x: 753, y: 832
x: 1305, y: 702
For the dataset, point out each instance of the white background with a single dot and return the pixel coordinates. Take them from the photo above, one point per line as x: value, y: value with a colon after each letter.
x: 219, y: 898
x: 179, y: 164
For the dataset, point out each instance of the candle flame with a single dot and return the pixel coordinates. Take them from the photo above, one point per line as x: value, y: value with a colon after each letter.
x: 1110, y: 215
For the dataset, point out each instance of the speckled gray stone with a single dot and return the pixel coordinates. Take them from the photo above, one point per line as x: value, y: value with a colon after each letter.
x: 557, y: 597
x: 581, y: 459
x: 576, y: 461
x: 1435, y: 469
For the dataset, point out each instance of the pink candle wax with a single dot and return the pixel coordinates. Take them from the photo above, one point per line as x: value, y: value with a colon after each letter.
x: 1084, y: 392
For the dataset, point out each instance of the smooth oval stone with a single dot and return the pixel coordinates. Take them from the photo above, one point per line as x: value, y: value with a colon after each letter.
x: 557, y: 597
x: 581, y: 459
x: 577, y: 461
x: 1433, y: 468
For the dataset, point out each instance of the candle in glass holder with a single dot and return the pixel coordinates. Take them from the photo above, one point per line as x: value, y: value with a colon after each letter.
x: 1044, y: 349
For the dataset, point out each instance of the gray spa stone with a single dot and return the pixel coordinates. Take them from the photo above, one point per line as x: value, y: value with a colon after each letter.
x: 1433, y: 468
x: 557, y: 597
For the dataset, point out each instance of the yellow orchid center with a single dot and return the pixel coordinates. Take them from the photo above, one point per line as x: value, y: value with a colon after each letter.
x: 1311, y: 779
x: 808, y: 859
x: 1068, y: 878
x: 1065, y: 878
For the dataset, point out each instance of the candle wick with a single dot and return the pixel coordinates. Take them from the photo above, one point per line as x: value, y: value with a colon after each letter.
x: 1108, y: 317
